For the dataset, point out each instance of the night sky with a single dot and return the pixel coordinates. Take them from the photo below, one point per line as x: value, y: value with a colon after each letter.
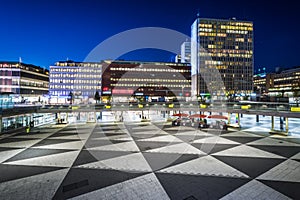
x: 44, y: 31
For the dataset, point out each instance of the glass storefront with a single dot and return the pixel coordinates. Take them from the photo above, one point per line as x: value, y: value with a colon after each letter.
x: 19, y: 121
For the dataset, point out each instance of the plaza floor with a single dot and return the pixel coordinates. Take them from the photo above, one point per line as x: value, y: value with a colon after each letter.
x: 149, y: 161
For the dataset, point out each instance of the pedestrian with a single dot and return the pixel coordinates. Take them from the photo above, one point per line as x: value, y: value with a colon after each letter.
x: 27, y: 129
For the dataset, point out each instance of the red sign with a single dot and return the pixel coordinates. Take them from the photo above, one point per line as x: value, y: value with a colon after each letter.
x: 122, y: 91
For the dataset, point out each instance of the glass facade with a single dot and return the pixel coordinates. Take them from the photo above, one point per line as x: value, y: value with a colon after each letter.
x: 151, y: 79
x: 23, y: 79
x: 225, y: 45
x: 286, y: 83
x: 186, y: 52
x: 82, y: 79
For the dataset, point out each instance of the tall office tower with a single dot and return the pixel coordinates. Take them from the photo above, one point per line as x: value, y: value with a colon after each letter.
x: 224, y: 46
x: 186, y: 52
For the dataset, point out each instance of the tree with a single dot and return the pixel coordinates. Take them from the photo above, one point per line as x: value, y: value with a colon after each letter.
x: 97, y: 97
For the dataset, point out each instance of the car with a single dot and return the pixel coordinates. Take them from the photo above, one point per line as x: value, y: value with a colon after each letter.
x: 185, y: 121
x: 182, y: 122
x: 201, y: 124
x: 176, y: 122
x: 219, y: 125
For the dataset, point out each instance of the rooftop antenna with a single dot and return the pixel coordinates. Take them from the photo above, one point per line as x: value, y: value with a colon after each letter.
x: 198, y: 13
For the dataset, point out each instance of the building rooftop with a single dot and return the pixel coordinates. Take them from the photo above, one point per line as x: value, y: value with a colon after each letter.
x: 233, y: 19
x: 146, y: 62
x: 75, y: 63
x: 29, y: 67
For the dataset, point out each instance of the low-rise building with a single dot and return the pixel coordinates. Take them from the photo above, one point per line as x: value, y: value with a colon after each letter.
x: 24, y: 82
x: 285, y: 84
x: 146, y: 81
x: 74, y: 82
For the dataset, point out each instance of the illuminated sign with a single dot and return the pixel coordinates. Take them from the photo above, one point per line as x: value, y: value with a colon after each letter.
x: 122, y: 91
x: 295, y: 109
x: 171, y: 105
x: 203, y: 106
x: 106, y: 92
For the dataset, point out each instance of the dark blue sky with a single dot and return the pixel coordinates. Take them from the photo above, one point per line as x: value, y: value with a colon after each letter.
x: 45, y: 31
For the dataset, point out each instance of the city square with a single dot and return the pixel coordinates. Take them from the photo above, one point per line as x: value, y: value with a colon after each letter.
x: 140, y: 99
x: 143, y: 160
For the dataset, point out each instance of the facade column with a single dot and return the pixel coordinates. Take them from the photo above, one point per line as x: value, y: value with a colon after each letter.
x: 16, y: 122
x: 0, y: 124
x: 272, y: 123
x: 229, y: 118
x: 100, y: 115
x: 58, y: 118
x: 67, y: 117
x: 286, y: 125
x: 281, y: 123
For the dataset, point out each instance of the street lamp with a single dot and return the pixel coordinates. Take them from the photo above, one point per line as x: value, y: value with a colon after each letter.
x: 32, y: 95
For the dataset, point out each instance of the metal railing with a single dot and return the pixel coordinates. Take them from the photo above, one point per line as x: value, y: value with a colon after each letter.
x: 222, y: 106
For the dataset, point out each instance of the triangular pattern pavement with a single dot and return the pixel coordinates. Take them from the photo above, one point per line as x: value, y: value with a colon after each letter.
x: 215, y: 140
x: 56, y: 160
x: 286, y: 171
x: 14, y: 172
x: 143, y: 187
x: 41, y: 186
x: 245, y: 164
x: 165, y: 138
x: 79, y: 181
x: 33, y: 153
x: 139, y: 161
x: 242, y: 134
x: 91, y: 156
x: 5, y: 155
x: 20, y: 143
x: 181, y: 148
x: 246, y: 151
x: 252, y: 190
x: 124, y: 146
x: 272, y: 142
x: 296, y: 156
x: 180, y: 186
x: 75, y: 145
x: 206, y: 166
x: 133, y: 162
x: 159, y: 161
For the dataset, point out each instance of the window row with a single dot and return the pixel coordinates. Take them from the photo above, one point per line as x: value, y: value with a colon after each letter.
x: 148, y: 69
